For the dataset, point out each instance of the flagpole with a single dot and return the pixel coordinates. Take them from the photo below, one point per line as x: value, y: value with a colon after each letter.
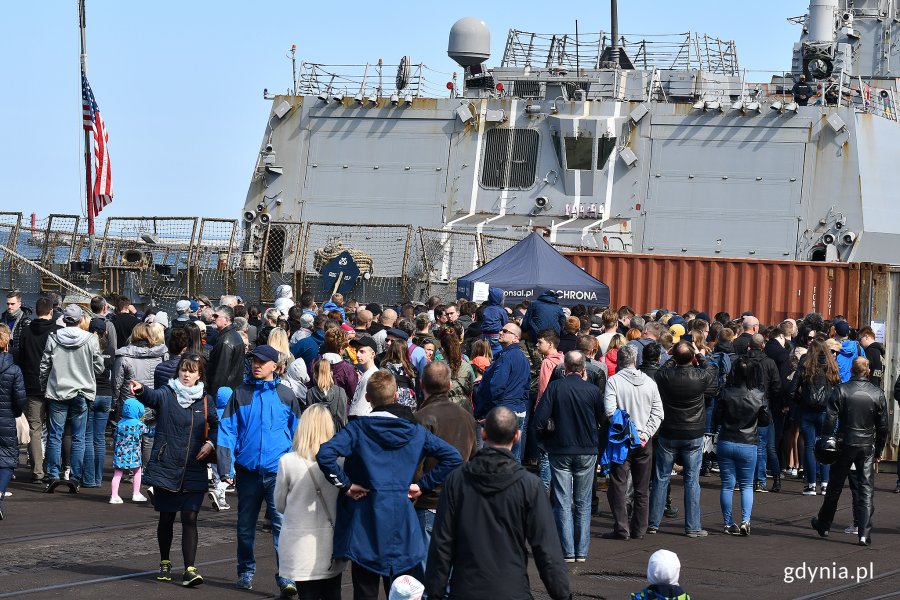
x: 89, y: 189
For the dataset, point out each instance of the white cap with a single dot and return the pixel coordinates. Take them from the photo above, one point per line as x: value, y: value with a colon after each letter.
x: 663, y: 568
x: 406, y: 587
x: 183, y: 306
x: 162, y: 318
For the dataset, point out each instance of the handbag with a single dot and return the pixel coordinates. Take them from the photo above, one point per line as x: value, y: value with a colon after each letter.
x: 322, y: 500
x: 212, y: 459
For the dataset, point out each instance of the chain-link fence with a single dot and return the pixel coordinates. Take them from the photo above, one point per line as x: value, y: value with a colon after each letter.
x: 167, y: 258
x: 381, y: 252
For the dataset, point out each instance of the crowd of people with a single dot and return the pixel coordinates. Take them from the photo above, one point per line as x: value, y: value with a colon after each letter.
x: 387, y: 438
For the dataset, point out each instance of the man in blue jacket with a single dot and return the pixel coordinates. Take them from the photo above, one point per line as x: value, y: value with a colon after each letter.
x: 543, y: 313
x: 376, y: 526
x: 308, y: 347
x: 506, y: 383
x: 258, y: 425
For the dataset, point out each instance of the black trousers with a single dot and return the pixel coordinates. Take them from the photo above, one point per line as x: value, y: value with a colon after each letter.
x: 320, y: 589
x: 863, y: 478
x: 640, y: 464
x: 366, y: 582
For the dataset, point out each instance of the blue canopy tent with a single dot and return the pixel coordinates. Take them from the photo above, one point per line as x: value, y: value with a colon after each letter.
x: 529, y: 268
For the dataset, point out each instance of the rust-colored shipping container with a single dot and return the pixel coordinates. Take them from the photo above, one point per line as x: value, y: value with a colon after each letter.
x: 772, y: 289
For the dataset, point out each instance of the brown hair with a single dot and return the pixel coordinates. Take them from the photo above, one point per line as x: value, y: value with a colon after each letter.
x: 5, y: 336
x: 633, y: 334
x: 819, y: 361
x: 481, y: 348
x: 398, y: 353
x: 381, y: 388
x: 451, y: 347
x: 192, y: 363
x: 335, y: 341
x: 573, y: 325
x: 322, y: 374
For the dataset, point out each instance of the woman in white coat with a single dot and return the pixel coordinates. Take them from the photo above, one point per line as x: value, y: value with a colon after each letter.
x: 308, y: 503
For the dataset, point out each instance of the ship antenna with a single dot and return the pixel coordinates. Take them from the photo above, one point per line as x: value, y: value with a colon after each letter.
x: 614, y: 26
x: 577, y: 61
x: 294, y: 66
x: 82, y: 25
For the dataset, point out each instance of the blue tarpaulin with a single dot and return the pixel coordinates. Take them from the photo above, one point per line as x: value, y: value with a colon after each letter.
x: 529, y: 268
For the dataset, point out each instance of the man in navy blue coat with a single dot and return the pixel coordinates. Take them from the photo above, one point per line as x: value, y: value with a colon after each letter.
x: 376, y: 526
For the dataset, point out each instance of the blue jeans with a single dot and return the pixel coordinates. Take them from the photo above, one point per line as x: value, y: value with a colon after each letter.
x: 811, y: 425
x: 573, y: 481
x: 95, y: 440
x: 544, y: 471
x: 765, y: 453
x: 59, y: 412
x: 252, y: 489
x: 737, y: 462
x: 426, y: 521
x: 518, y: 448
x: 494, y: 341
x: 690, y: 454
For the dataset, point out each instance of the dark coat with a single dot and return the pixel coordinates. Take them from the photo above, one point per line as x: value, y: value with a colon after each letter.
x: 488, y: 510
x: 226, y: 361
x: 576, y: 408
x: 165, y: 371
x: 683, y: 390
x: 19, y: 324
x: 179, y: 436
x: 12, y: 403
x: 31, y: 348
x: 124, y: 324
x: 543, y: 313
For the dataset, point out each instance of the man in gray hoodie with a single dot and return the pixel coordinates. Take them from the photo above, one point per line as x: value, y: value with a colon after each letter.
x: 633, y: 392
x: 68, y: 373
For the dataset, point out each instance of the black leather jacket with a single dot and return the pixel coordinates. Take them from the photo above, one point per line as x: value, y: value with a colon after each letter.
x: 740, y: 412
x: 766, y: 377
x: 683, y: 390
x: 860, y: 409
x: 226, y: 361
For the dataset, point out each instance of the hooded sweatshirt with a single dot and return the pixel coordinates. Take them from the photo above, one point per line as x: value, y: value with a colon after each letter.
x: 381, y: 532
x: 494, y: 504
x: 31, y: 348
x: 494, y: 315
x: 638, y: 395
x: 70, y: 364
x: 284, y: 298
x: 875, y: 354
x: 543, y: 313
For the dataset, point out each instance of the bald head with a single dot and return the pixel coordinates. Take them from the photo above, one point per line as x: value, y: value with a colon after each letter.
x: 388, y: 317
x: 750, y: 325
x: 501, y: 427
x: 364, y: 318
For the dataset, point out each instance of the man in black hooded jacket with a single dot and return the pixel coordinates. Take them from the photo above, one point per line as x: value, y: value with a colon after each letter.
x: 485, y: 504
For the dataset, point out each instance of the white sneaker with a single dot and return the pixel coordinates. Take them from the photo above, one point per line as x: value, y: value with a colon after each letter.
x: 851, y: 530
x: 139, y: 498
x: 115, y: 500
x: 67, y: 473
x: 824, y: 489
x: 215, y: 500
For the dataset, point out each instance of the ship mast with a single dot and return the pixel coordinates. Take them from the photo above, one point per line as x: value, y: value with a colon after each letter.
x: 88, y: 188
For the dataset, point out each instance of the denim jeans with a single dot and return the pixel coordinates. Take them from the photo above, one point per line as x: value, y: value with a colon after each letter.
x: 60, y: 412
x: 252, y: 489
x: 573, y: 480
x: 95, y: 440
x: 766, y: 456
x: 811, y: 424
x: 518, y: 448
x: 710, y: 407
x: 544, y: 471
x: 426, y: 521
x: 737, y: 463
x: 689, y: 453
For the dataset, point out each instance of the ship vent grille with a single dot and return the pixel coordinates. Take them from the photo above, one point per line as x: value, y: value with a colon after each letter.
x: 510, y: 158
x: 527, y: 89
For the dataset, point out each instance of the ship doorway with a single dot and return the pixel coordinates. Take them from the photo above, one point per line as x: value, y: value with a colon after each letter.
x: 818, y: 254
x: 275, y: 250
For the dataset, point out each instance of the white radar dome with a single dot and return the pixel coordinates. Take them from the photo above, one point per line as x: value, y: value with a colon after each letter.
x: 470, y: 42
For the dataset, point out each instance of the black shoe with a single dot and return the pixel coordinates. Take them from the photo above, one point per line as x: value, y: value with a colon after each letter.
x: 819, y: 527
x: 637, y: 536
x: 732, y: 529
x: 745, y: 529
x: 865, y: 541
x: 671, y: 512
x: 704, y: 472
x: 897, y: 489
x: 760, y: 487
x: 612, y: 535
x: 191, y: 577
x: 776, y: 484
x: 165, y: 571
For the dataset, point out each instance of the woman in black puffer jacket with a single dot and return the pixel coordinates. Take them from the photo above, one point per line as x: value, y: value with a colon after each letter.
x: 817, y: 376
x: 177, y: 467
x: 12, y: 403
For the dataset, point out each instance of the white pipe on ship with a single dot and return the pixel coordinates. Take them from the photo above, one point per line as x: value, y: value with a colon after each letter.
x: 822, y: 21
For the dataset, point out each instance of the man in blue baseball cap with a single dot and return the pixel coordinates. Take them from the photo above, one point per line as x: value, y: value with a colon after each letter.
x: 258, y: 425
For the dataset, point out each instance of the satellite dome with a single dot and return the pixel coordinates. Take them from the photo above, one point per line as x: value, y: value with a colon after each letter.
x: 470, y: 42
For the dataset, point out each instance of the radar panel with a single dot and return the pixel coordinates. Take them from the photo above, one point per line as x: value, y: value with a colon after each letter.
x: 510, y: 158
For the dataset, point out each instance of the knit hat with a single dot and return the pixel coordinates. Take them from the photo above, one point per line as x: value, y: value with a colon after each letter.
x: 677, y: 331
x: 842, y: 328
x: 162, y: 318
x: 663, y: 568
x: 704, y: 316
x: 406, y: 587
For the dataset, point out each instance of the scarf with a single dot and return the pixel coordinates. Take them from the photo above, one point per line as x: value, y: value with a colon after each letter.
x: 186, y: 396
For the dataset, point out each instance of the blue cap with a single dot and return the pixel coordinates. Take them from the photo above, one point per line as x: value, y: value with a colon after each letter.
x: 195, y: 306
x: 265, y: 353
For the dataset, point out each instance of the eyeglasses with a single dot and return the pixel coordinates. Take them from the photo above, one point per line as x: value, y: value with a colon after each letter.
x: 509, y: 331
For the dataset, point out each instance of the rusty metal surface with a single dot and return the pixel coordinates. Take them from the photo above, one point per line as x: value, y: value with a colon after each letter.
x: 773, y: 290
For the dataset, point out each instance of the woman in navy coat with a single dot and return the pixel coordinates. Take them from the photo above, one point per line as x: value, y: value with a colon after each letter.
x: 186, y: 427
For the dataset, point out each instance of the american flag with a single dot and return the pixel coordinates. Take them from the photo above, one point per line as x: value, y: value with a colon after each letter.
x: 92, y: 121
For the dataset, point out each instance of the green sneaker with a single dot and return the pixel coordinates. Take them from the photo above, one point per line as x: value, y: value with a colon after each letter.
x: 191, y: 577
x: 165, y: 571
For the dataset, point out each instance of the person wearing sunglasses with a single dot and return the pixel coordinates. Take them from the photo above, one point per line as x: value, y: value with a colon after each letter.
x: 507, y: 383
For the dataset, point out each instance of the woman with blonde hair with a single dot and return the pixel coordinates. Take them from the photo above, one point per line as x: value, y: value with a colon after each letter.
x: 612, y: 353
x: 698, y: 341
x: 278, y: 339
x: 323, y: 390
x: 308, y: 504
x: 137, y: 361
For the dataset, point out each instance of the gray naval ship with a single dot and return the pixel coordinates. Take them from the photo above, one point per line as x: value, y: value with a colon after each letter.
x: 654, y: 144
